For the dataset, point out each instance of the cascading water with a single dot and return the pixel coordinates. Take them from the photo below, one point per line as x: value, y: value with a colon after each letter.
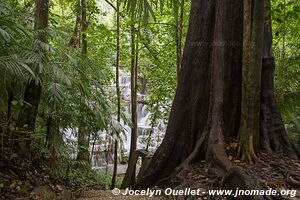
x: 101, y: 149
x: 143, y: 117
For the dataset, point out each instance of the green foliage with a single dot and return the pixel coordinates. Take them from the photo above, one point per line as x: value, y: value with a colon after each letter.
x: 79, y: 174
x: 138, y: 8
x: 286, y: 46
x: 15, y: 57
x: 158, y: 62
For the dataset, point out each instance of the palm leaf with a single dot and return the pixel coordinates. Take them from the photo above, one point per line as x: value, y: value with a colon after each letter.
x: 5, y: 36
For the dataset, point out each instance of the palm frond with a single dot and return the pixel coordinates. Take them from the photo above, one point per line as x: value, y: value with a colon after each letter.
x: 4, y: 35
x: 138, y: 8
x: 14, y: 66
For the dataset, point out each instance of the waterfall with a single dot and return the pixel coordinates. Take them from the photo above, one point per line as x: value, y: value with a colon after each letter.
x: 143, y: 117
x: 99, y: 148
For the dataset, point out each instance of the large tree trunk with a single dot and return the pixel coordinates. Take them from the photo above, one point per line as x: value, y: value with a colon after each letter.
x: 206, y: 110
x: 28, y: 112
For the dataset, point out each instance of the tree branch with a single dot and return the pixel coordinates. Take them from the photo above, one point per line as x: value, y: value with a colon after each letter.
x: 114, y: 7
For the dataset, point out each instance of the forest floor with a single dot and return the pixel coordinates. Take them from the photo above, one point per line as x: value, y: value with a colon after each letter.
x: 20, y: 178
x: 198, y: 178
x: 273, y: 171
x: 107, y: 194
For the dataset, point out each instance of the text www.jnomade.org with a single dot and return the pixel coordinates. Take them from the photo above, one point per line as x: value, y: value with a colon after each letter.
x: 200, y: 192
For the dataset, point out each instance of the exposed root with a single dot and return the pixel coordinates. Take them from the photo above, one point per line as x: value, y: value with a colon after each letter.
x: 290, y: 180
x: 254, y: 159
x: 185, y: 165
x: 237, y: 178
x: 287, y: 170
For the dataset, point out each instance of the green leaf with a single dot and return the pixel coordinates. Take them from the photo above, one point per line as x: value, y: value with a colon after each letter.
x: 5, y: 35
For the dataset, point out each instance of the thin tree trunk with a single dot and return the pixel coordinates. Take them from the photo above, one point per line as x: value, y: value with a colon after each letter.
x: 83, y: 145
x: 106, y: 153
x: 127, y: 179
x: 133, y: 93
x: 113, y: 182
x: 75, y: 39
x: 133, y: 143
x: 114, y: 177
x: 41, y: 19
x: 55, y: 141
x: 28, y: 112
x: 84, y: 26
x: 83, y: 135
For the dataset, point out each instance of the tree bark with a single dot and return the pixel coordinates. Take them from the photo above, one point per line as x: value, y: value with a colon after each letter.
x: 206, y: 111
x: 273, y: 136
x: 113, y: 182
x: 54, y: 141
x: 133, y: 142
x: 83, y: 135
x: 249, y: 131
x: 83, y: 144
x: 247, y: 23
x: 133, y: 93
x: 75, y: 39
x: 179, y: 12
x: 41, y: 19
x: 84, y: 25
